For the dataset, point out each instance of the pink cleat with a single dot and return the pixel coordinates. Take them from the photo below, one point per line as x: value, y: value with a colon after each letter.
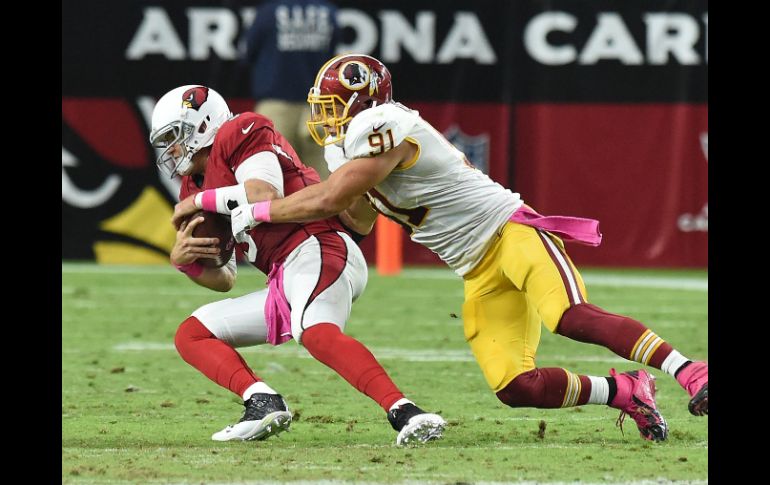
x: 636, y: 397
x: 695, y: 380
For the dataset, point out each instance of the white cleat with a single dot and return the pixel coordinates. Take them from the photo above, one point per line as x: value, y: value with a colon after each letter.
x: 265, y: 415
x: 272, y: 424
x: 415, y: 425
x: 420, y: 429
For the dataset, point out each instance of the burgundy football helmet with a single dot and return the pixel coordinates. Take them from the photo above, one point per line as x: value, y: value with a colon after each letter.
x: 345, y: 85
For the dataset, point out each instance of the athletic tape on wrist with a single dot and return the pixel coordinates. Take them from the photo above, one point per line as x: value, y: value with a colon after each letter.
x: 261, y: 211
x: 221, y: 200
x: 209, y: 200
x: 191, y: 269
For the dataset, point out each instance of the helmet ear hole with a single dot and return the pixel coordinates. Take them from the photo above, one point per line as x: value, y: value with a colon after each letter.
x: 202, y: 128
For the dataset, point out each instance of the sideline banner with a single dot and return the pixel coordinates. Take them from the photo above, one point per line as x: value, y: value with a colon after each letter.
x: 535, y: 92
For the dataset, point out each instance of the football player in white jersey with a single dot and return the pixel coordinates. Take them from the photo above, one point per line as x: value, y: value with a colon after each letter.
x: 512, y: 259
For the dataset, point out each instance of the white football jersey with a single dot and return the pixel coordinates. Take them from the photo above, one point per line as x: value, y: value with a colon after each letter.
x: 448, y: 206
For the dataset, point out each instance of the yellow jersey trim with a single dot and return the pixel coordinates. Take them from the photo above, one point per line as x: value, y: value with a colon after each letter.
x: 410, y: 163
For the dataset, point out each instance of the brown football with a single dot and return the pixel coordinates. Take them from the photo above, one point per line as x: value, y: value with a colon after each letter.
x: 215, y: 225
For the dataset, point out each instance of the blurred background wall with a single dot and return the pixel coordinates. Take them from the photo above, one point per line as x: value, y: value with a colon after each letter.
x: 588, y: 108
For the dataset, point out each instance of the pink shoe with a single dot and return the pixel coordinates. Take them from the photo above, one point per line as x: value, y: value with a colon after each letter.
x: 636, y: 397
x: 695, y: 380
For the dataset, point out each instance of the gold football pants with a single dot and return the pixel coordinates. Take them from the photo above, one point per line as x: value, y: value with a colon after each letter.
x: 524, y: 278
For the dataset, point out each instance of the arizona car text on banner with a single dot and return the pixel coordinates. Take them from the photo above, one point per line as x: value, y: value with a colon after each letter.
x: 591, y: 108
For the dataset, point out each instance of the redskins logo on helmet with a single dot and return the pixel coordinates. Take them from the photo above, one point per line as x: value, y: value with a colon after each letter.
x: 195, y: 97
x: 345, y: 85
x: 354, y: 75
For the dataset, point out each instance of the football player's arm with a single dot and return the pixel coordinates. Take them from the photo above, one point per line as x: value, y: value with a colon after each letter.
x: 188, y: 249
x: 332, y: 196
x: 360, y: 216
x: 259, y: 178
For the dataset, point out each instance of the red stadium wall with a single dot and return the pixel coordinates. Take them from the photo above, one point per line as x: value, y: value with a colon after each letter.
x: 641, y: 169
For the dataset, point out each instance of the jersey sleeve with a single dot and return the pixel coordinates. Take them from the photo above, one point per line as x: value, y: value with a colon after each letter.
x: 243, y: 137
x: 263, y: 166
x: 334, y: 156
x: 378, y: 130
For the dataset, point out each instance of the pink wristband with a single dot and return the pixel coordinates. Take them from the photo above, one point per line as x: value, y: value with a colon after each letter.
x: 261, y: 211
x: 209, y: 200
x: 192, y: 269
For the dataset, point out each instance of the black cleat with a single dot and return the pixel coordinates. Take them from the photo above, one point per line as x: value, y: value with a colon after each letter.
x: 699, y: 404
x: 695, y: 379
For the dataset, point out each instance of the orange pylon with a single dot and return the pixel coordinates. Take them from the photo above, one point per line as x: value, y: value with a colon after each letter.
x: 389, y: 246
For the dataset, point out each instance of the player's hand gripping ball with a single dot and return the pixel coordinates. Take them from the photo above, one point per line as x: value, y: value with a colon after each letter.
x: 218, y: 226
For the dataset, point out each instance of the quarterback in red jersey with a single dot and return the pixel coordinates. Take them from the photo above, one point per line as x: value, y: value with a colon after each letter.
x: 315, y: 270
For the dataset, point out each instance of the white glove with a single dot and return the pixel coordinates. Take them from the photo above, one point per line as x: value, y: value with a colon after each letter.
x: 242, y: 221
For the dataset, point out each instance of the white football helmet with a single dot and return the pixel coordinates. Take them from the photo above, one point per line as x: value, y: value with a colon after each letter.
x: 188, y: 116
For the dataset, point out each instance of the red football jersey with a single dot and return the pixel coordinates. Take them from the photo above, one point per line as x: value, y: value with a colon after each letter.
x: 238, y: 139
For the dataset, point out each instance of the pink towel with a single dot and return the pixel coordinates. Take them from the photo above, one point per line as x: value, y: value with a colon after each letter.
x: 277, y: 310
x: 577, y: 229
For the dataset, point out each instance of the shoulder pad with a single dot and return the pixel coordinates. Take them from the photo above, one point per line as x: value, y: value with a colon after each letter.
x: 245, y: 123
x: 361, y: 140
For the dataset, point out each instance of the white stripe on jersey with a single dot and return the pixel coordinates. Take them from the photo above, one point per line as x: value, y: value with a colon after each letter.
x: 572, y: 287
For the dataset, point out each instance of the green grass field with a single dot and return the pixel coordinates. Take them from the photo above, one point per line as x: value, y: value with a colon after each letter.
x: 134, y: 412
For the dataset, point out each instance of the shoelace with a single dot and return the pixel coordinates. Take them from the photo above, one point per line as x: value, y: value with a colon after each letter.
x: 252, y: 412
x: 623, y: 414
x: 619, y: 422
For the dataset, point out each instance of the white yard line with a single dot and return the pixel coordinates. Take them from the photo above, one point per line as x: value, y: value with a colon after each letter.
x: 422, y: 355
x: 590, y: 277
x: 92, y: 268
x: 661, y: 282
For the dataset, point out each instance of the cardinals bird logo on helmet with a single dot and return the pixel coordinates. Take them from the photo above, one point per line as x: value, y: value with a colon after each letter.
x: 195, y: 97
x: 185, y: 120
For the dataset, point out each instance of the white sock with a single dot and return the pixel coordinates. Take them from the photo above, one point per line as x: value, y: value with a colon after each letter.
x: 257, y: 387
x: 600, y: 390
x: 400, y: 402
x: 673, y: 362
